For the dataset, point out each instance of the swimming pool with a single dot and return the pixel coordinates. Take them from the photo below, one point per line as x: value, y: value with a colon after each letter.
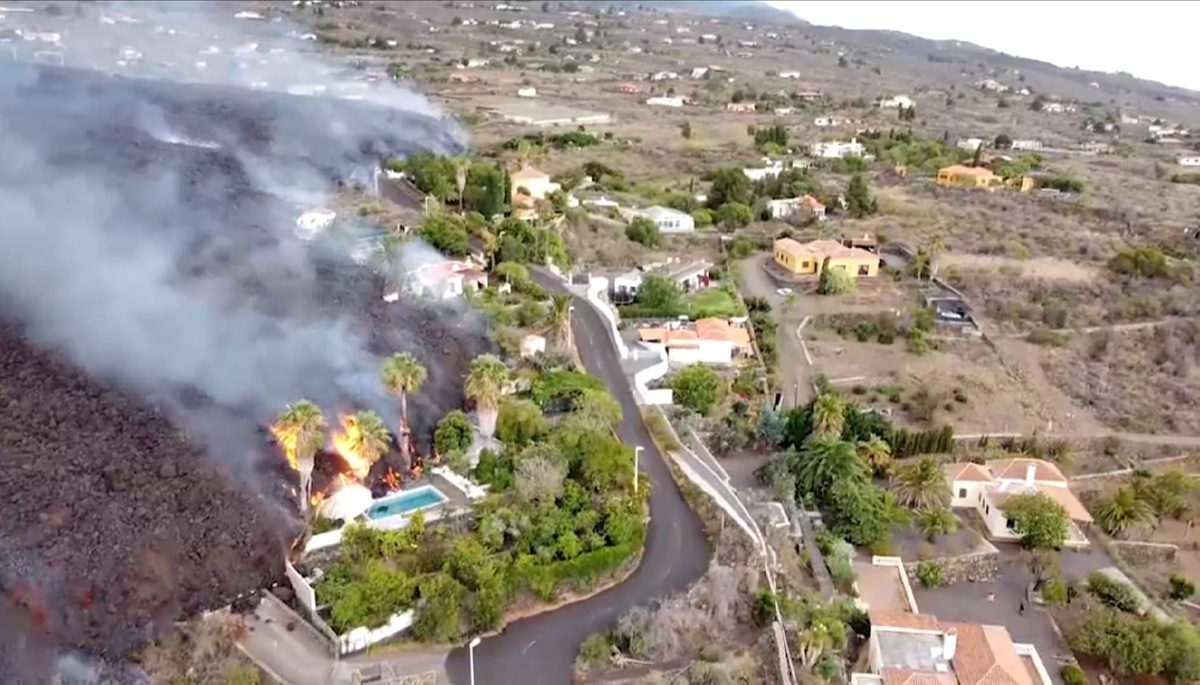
x: 406, y: 502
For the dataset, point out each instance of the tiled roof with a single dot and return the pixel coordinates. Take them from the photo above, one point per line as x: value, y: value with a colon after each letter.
x: 820, y: 249
x: 529, y: 174
x: 903, y: 619
x: 1016, y: 469
x: 960, y: 170
x: 704, y: 329
x: 985, y: 656
x: 966, y: 471
x: 1065, y: 498
x: 907, y: 676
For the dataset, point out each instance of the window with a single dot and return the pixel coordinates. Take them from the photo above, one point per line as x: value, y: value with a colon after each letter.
x: 962, y: 492
x: 1010, y: 523
x: 864, y: 269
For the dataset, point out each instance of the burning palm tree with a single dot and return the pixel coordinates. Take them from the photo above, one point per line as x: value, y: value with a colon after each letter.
x: 402, y: 376
x: 364, y: 439
x: 485, y: 386
x: 462, y: 168
x: 300, y: 431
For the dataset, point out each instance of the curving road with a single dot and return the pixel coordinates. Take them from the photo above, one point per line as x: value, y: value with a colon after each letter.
x: 541, y: 650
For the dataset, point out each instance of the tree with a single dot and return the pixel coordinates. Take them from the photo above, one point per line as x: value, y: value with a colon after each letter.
x: 446, y: 233
x: 834, y: 281
x: 934, y: 248
x: 936, y: 522
x: 859, y: 512
x: 485, y: 386
x: 520, y: 423
x: 825, y: 461
x: 539, y: 480
x: 1002, y: 142
x: 1167, y: 494
x: 876, y: 453
x: 300, y: 431
x: 439, y: 618
x: 661, y: 295
x: 1123, y: 511
x: 1130, y: 645
x: 734, y: 215
x: 859, y: 202
x: 1039, y: 520
x: 729, y: 185
x: 922, y: 485
x: 643, y: 231
x: 560, y: 318
x: 696, y: 387
x: 453, y: 433
x: 367, y: 435
x: 828, y: 415
x: 771, y: 429
x: 403, y: 375
x: 686, y: 130
x: 462, y: 167
x: 598, y: 406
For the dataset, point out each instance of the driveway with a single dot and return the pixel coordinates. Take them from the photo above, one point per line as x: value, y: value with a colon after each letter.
x: 968, y: 602
x: 541, y: 650
x: 795, y: 374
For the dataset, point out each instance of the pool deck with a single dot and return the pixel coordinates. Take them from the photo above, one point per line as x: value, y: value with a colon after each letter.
x: 455, y: 500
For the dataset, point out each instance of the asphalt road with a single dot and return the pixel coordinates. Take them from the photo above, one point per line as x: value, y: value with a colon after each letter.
x: 541, y: 650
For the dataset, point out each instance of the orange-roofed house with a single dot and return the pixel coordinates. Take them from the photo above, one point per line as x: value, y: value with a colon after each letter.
x: 708, y: 341
x: 807, y: 259
x: 536, y: 184
x: 959, y: 176
x: 986, y: 487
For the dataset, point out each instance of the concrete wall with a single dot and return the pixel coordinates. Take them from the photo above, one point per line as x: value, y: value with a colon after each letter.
x: 597, y: 285
x: 974, y: 491
x: 973, y: 568
x: 898, y: 564
x: 359, y: 639
x: 1138, y: 553
x: 463, y: 485
x: 305, y: 593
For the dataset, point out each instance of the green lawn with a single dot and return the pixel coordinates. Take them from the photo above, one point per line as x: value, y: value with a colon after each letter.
x: 718, y: 302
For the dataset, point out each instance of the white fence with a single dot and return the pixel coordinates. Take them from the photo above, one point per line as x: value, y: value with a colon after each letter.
x: 357, y: 639
x: 598, y: 285
x: 464, y: 485
x: 643, y: 378
x: 898, y: 563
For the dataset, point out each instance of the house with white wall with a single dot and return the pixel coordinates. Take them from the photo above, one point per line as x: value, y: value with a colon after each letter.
x: 804, y: 206
x: 986, y: 487
x: 707, y: 341
x: 441, y: 280
x: 1189, y: 161
x: 535, y: 183
x: 895, y: 102
x: 664, y: 101
x: 838, y: 149
x: 690, y: 276
x: 667, y: 220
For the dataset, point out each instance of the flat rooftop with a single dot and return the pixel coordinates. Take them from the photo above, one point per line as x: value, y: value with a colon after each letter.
x: 881, y: 588
x: 912, y: 651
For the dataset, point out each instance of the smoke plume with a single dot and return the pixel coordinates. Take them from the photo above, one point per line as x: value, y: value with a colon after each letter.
x: 148, y: 224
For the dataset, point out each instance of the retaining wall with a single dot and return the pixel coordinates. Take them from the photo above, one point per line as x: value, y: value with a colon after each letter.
x: 980, y: 567
x: 598, y: 285
x: 1137, y: 553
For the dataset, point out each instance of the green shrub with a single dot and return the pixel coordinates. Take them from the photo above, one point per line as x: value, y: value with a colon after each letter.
x: 1073, y: 675
x: 1049, y: 337
x: 596, y: 651
x: 1113, y: 592
x: 1055, y: 593
x: 1181, y: 587
x: 929, y: 574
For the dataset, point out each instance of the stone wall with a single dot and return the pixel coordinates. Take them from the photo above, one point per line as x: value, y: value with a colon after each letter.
x: 1144, y: 553
x: 981, y: 567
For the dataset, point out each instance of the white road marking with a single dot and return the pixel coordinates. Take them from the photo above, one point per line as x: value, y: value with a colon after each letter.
x: 528, y: 646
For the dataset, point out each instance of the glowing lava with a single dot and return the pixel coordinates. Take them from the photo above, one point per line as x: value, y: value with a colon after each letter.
x: 345, y: 442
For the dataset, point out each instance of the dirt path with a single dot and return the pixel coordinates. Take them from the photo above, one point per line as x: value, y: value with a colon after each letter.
x: 1117, y: 327
x: 1143, y: 438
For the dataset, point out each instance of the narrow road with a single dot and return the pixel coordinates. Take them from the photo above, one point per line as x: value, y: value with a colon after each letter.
x: 795, y: 376
x: 541, y: 650
x: 1144, y: 438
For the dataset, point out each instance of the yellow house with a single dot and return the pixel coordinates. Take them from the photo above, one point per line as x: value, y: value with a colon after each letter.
x: 959, y: 176
x: 807, y: 259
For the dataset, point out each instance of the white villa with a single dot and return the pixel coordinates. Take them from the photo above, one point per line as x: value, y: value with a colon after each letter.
x: 838, y: 149
x: 986, y: 487
x: 708, y: 341
x: 667, y: 220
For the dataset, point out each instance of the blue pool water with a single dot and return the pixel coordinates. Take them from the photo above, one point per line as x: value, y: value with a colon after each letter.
x: 406, y: 502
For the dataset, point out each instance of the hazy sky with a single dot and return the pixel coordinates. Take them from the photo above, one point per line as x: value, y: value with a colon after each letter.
x: 1152, y: 40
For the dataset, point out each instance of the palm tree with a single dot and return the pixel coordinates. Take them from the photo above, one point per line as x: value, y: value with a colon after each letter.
x: 922, y: 485
x: 300, y: 431
x: 560, y: 318
x: 825, y: 461
x: 368, y: 435
x: 485, y: 386
x: 935, y: 522
x: 828, y: 415
x: 934, y: 248
x: 876, y: 453
x: 524, y: 153
x: 1124, y: 511
x: 462, y: 167
x: 403, y: 375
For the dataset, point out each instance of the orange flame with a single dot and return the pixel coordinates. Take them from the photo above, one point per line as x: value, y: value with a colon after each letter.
x: 344, y: 444
x: 392, y: 479
x: 287, y: 442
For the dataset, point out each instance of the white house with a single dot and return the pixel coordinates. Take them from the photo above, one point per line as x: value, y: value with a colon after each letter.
x: 708, y: 341
x: 789, y: 74
x: 666, y: 219
x: 1027, y: 145
x: 838, y: 149
x: 971, y: 144
x: 528, y: 92
x: 825, y: 121
x: 771, y: 170
x: 1058, y: 108
x: 992, y: 85
x: 313, y: 222
x: 689, y: 277
x: 895, y: 102
x: 1189, y: 161
x: 699, y: 72
x: 806, y: 205
x: 536, y: 183
x: 664, y: 101
x: 441, y: 280
x: 985, y: 488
